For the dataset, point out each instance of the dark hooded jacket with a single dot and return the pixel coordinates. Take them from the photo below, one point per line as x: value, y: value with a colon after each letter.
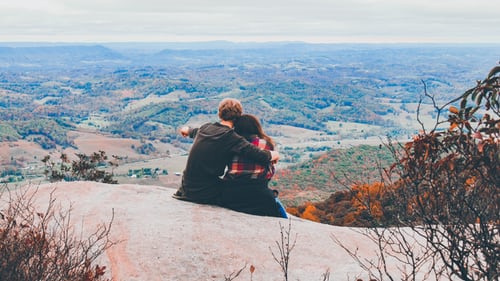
x: 214, y: 146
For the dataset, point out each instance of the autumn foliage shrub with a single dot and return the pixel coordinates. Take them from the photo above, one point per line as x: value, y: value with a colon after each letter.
x: 444, y: 185
x: 42, y: 245
x: 449, y: 180
x: 361, y: 205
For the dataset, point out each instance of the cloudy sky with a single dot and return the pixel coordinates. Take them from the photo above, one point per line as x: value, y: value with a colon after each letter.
x: 441, y: 21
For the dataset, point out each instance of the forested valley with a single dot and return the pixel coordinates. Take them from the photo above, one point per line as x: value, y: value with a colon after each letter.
x: 319, y: 101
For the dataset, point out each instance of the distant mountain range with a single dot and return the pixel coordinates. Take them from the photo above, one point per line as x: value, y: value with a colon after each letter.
x: 63, y: 56
x: 67, y: 55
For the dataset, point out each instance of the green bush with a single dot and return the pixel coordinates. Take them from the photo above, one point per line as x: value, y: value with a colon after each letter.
x: 88, y: 168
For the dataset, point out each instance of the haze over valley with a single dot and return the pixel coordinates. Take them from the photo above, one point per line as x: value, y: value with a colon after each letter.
x: 129, y: 99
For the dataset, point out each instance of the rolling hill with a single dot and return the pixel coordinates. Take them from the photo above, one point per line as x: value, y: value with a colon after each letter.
x: 310, y: 97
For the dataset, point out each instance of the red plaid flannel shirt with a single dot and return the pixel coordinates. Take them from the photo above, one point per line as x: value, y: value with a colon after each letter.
x: 244, y: 168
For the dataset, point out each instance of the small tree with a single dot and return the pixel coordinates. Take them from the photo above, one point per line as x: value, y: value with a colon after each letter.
x: 445, y: 190
x: 285, y: 247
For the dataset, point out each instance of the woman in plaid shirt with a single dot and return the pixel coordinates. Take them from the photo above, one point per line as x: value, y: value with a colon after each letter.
x: 247, y: 181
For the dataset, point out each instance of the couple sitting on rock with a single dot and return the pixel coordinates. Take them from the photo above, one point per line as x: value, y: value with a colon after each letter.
x: 239, y: 144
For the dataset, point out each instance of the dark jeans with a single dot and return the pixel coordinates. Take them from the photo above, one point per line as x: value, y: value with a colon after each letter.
x: 251, y: 197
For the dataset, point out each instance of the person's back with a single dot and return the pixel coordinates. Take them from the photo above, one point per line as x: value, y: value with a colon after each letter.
x: 206, y: 162
x: 246, y: 180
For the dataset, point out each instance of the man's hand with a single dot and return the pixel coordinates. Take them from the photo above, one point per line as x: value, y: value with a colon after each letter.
x: 184, y: 131
x: 275, y: 156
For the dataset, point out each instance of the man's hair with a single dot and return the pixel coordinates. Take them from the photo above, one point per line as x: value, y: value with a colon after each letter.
x: 230, y: 109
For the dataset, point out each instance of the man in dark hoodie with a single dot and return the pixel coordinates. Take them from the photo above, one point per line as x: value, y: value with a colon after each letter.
x: 214, y: 146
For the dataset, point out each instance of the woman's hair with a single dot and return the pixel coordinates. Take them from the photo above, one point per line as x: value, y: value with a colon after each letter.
x: 230, y: 109
x: 248, y: 125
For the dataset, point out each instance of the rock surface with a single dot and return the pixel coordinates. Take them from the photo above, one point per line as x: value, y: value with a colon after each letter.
x: 166, y: 239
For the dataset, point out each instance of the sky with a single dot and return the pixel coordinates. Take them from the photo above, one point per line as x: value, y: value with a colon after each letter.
x: 315, y: 21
